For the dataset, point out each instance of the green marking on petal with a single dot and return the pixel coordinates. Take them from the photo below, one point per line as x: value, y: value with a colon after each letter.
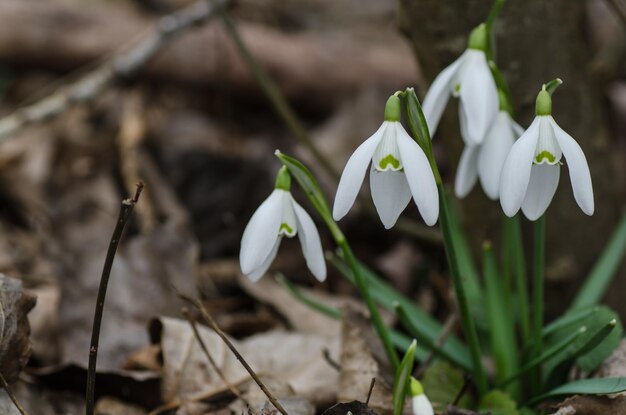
x: 545, y: 155
x: 389, y: 160
x: 288, y: 229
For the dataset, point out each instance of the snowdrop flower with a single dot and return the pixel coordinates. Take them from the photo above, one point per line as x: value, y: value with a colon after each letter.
x: 485, y: 161
x: 421, y: 403
x: 531, y: 171
x: 469, y: 79
x: 279, y: 216
x: 399, y: 169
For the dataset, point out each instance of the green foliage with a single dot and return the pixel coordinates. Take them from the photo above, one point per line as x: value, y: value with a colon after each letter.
x: 497, y: 402
x: 403, y: 376
x: 604, y: 270
x: 442, y: 383
x: 594, y: 386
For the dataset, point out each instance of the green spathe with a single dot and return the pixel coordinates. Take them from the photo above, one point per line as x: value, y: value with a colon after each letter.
x: 283, y: 179
x: 543, y: 105
x: 416, y: 387
x: 392, y: 109
x: 479, y: 38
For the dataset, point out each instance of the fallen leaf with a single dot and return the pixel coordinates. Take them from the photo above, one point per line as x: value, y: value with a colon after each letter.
x: 294, y: 358
x: 14, y: 328
x: 361, y: 360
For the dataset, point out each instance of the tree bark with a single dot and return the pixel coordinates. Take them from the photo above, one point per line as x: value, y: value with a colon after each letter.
x: 536, y: 41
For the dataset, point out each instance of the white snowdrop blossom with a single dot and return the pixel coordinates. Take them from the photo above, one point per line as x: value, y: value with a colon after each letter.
x: 421, y: 403
x: 279, y: 216
x: 531, y: 171
x: 484, y: 161
x: 399, y: 169
x: 469, y: 79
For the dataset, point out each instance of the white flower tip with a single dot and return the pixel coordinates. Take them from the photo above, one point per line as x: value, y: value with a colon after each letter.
x: 277, y: 152
x: 320, y: 275
x: 588, y: 210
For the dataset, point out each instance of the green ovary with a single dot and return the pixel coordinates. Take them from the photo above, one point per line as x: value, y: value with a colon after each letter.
x: 389, y: 160
x: 545, y: 155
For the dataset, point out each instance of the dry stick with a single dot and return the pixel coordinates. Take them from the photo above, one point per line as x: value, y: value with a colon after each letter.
x: 13, y: 398
x: 441, y: 338
x: 121, y: 65
x: 369, y: 392
x: 230, y: 386
x: 125, y: 211
x: 276, y: 98
x: 211, y: 322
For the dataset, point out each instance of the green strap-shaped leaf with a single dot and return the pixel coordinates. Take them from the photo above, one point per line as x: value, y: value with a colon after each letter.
x: 595, y: 386
x: 402, y: 378
x: 604, y: 270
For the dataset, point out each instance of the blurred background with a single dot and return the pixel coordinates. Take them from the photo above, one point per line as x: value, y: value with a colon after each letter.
x: 91, y: 100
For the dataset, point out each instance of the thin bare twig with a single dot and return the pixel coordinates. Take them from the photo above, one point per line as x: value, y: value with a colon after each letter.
x: 13, y: 398
x: 369, y: 392
x: 329, y: 359
x: 230, y: 386
x: 125, y: 211
x: 211, y: 322
x: 121, y: 65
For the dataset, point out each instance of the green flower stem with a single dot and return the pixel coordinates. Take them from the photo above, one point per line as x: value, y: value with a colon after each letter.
x: 311, y: 189
x: 419, y: 128
x: 457, y: 279
x: 513, y: 240
x: 361, y: 284
x: 538, y: 280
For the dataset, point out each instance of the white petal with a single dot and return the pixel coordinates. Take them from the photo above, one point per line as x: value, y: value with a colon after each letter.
x: 578, y: 169
x: 261, y: 232
x: 467, y: 171
x: 479, y: 96
x: 354, y: 172
x: 517, y: 129
x: 391, y: 194
x: 258, y: 272
x: 310, y: 241
x: 438, y: 95
x: 420, y: 177
x: 422, y: 405
x: 516, y: 170
x: 544, y: 179
x: 493, y: 152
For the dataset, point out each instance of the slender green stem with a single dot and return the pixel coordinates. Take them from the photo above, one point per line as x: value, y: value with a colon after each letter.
x: 516, y: 253
x: 493, y: 13
x: 276, y: 98
x: 538, y: 281
x: 125, y: 211
x: 361, y: 284
x: 466, y: 319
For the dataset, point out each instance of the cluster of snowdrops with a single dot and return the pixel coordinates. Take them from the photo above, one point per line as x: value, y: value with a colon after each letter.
x: 520, y: 167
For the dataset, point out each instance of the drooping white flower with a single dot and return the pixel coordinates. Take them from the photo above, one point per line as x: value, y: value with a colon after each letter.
x: 484, y: 161
x: 399, y: 169
x: 279, y: 216
x: 531, y: 171
x: 421, y: 403
x: 469, y: 79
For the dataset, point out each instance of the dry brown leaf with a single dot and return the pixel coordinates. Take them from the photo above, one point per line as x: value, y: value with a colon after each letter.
x: 14, y: 328
x: 112, y: 406
x: 592, y: 405
x: 294, y: 358
x: 361, y: 357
